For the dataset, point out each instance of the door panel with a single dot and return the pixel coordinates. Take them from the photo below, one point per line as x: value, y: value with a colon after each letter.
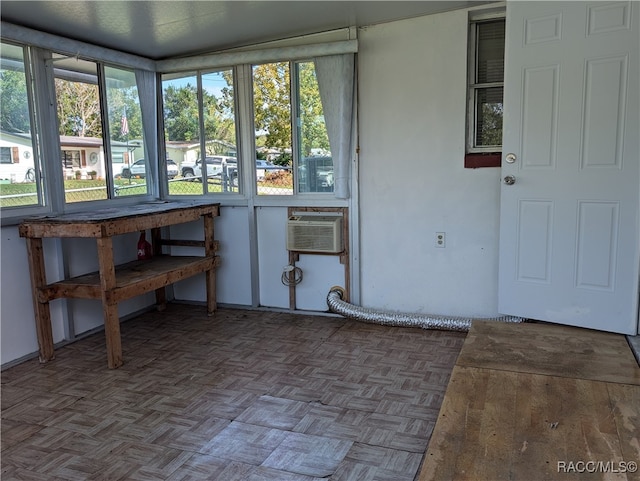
x: 604, y: 112
x: 540, y: 117
x: 596, y: 250
x: 535, y: 223
x: 569, y: 225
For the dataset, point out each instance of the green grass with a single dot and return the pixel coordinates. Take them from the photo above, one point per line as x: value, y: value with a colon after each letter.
x: 19, y: 190
x: 88, y: 190
x: 124, y: 187
x: 16, y: 189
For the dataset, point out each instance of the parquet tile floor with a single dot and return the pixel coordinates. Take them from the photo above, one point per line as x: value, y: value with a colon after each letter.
x: 243, y: 396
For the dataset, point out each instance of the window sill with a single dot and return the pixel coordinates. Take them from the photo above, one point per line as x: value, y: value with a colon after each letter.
x: 475, y: 161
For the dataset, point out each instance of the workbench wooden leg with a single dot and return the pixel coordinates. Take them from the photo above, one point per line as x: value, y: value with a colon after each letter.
x: 110, y: 308
x: 112, y: 336
x: 210, y: 275
x: 161, y: 299
x: 156, y: 243
x: 44, y: 332
x: 41, y: 308
x: 212, y: 305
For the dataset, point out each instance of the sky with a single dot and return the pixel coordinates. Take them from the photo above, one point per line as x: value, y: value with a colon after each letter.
x: 212, y: 82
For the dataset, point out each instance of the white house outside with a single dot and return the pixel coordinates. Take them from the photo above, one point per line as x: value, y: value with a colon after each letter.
x: 16, y: 158
x: 80, y: 156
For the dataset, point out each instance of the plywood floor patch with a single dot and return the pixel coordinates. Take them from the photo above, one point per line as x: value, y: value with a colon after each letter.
x: 538, y: 402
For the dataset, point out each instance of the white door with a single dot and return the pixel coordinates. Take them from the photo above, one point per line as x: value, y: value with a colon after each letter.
x: 569, y: 225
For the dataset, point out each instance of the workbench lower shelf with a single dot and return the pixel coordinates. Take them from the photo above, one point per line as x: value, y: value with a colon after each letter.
x: 132, y: 279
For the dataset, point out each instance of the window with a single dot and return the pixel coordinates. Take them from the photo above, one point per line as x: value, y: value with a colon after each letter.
x: 486, y: 82
x: 286, y: 94
x: 71, y: 159
x: 282, y: 116
x: 94, y: 170
x: 79, y: 125
x: 272, y: 123
x: 5, y: 155
x: 99, y: 124
x: 125, y: 138
x: 200, y: 132
x: 20, y: 185
x: 315, y: 164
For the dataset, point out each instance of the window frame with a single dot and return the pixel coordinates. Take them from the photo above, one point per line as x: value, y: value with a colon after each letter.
x: 46, y: 146
x: 293, y: 99
x: 199, y: 73
x: 42, y: 102
x: 297, y: 133
x: 487, y: 156
x: 107, y: 134
x: 10, y: 215
x: 296, y: 140
x: 245, y: 127
x: 38, y: 63
x: 101, y: 81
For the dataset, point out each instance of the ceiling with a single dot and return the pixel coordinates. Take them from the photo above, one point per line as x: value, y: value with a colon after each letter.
x: 165, y: 29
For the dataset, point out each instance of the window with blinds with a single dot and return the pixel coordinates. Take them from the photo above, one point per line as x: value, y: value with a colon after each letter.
x: 486, y: 82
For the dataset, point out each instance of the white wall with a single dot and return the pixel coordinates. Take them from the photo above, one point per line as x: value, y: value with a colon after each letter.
x: 412, y: 91
x: 272, y: 255
x: 17, y: 328
x: 233, y: 277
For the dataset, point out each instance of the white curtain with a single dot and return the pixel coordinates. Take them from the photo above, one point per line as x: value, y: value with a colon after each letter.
x: 335, y: 75
x: 146, y: 82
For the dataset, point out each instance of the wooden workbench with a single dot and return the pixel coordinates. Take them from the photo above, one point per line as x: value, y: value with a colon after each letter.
x: 529, y: 402
x: 114, y: 283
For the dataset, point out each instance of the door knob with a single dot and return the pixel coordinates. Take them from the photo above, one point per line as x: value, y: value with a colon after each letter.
x: 509, y: 180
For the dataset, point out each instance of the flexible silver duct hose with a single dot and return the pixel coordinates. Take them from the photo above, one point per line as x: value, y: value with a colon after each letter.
x: 399, y: 319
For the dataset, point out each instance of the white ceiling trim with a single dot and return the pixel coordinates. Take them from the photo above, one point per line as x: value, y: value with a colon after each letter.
x: 72, y: 47
x: 80, y: 49
x: 228, y: 59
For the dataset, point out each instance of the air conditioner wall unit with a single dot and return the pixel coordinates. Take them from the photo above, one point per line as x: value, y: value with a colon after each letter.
x: 315, y: 233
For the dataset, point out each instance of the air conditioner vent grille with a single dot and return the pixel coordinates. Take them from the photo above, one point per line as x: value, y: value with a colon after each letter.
x: 315, y: 234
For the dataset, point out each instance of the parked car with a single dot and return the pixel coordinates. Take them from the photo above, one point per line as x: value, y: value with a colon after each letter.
x: 215, y: 166
x: 261, y: 169
x: 315, y: 174
x: 325, y: 179
x: 172, y: 169
x: 139, y: 169
x: 264, y: 166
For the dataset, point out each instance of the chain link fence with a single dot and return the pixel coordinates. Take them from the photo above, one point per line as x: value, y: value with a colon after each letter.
x: 18, y: 195
x: 24, y: 194
x: 278, y: 182
x: 192, y: 185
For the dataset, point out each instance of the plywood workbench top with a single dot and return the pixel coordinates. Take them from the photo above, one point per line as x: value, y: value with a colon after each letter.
x: 113, y: 221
